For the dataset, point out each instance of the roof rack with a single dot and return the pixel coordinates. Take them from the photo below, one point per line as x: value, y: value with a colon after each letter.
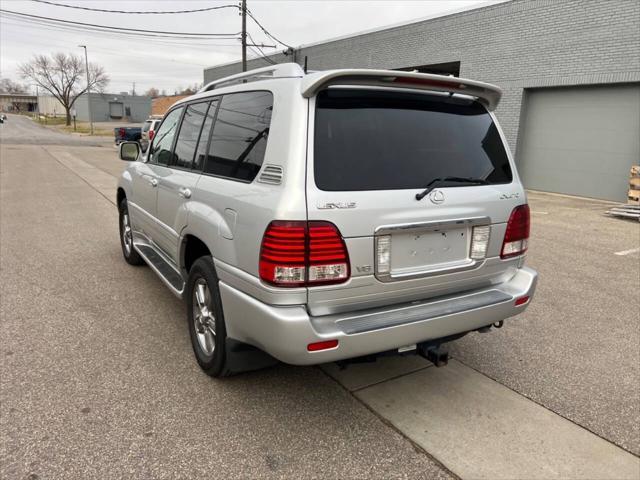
x: 281, y: 70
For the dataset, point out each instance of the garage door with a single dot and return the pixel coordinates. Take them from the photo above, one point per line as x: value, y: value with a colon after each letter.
x: 116, y: 109
x: 581, y: 141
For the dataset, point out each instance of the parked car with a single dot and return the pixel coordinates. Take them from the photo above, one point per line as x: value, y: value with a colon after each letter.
x: 330, y: 216
x: 127, y: 134
x: 148, y: 131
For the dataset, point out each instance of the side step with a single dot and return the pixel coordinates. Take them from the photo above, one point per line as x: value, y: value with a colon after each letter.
x: 167, y: 273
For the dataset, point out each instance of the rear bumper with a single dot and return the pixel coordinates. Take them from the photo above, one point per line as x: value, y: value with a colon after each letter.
x: 285, y: 332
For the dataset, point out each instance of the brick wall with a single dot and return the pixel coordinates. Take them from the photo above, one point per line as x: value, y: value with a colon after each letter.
x: 516, y: 45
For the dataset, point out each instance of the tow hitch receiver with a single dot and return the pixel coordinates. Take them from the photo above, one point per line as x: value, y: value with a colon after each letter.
x: 436, y: 354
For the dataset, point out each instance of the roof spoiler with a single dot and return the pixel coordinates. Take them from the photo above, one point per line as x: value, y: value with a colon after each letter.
x: 486, y: 93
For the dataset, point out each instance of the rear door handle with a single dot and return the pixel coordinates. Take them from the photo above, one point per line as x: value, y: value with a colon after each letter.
x: 184, y: 192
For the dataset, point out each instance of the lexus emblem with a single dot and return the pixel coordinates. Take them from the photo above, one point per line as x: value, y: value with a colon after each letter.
x: 437, y: 197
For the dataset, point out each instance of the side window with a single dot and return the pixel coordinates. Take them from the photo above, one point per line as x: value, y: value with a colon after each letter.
x: 240, y: 135
x: 201, y: 151
x: 189, y: 133
x: 163, y: 140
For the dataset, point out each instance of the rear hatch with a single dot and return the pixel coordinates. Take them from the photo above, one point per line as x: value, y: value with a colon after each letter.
x: 371, y: 150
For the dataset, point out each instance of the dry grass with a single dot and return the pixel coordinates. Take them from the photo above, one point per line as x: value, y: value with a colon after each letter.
x: 59, y: 123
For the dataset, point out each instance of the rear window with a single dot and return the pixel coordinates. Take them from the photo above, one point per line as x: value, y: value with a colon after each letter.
x: 381, y: 140
x: 146, y: 126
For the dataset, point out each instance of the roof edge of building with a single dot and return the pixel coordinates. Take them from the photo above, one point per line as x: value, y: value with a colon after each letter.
x: 457, y: 11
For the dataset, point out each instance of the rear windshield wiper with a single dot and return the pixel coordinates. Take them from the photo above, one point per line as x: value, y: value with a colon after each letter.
x: 437, y: 181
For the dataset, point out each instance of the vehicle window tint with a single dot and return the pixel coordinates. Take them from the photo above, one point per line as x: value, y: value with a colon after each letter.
x: 201, y: 151
x: 381, y: 140
x: 163, y: 140
x: 240, y: 135
x: 189, y: 133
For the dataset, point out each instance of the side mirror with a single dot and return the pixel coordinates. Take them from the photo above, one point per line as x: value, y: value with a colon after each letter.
x: 129, y: 151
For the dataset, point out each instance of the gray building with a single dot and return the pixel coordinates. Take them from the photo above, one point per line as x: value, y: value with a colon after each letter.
x: 570, y: 71
x: 17, y: 102
x: 105, y: 107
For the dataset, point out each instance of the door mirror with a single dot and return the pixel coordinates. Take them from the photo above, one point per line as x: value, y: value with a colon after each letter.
x: 129, y: 151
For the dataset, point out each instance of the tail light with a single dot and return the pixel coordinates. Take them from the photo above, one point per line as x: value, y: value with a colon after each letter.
x: 121, y: 133
x: 516, y: 238
x: 296, y: 254
x: 152, y: 133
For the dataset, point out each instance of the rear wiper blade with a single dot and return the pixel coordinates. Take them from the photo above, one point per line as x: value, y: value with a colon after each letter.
x: 437, y: 181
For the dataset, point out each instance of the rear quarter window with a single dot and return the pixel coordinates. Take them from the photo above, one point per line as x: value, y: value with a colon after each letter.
x: 240, y: 133
x: 383, y: 140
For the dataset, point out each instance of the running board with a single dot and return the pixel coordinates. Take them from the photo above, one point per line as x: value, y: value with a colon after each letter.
x: 159, y: 264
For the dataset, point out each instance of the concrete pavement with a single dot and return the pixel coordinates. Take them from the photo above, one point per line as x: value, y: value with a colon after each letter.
x: 21, y: 130
x: 97, y: 376
x: 136, y: 404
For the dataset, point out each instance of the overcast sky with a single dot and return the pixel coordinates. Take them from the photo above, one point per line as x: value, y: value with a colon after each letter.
x: 169, y: 64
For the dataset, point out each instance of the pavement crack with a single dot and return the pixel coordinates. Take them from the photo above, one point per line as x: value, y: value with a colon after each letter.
x: 386, y: 422
x: 110, y: 200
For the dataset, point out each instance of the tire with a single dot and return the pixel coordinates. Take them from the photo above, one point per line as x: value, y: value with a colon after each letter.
x: 129, y: 253
x: 206, y: 318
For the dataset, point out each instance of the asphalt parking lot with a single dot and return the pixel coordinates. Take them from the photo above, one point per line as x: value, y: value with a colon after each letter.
x: 97, y: 377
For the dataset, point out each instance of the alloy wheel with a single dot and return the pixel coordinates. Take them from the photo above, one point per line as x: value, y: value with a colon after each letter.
x: 204, y: 320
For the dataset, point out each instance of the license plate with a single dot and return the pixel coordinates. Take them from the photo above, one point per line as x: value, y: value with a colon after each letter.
x: 429, y: 250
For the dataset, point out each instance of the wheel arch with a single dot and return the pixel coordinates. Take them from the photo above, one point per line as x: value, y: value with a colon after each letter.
x: 120, y: 195
x: 192, y: 248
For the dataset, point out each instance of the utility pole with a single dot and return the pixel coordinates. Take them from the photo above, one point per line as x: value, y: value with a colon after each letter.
x: 133, y: 91
x: 243, y: 12
x: 86, y: 64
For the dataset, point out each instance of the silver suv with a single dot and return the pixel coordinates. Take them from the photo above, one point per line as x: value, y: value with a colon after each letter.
x: 148, y: 130
x: 330, y: 216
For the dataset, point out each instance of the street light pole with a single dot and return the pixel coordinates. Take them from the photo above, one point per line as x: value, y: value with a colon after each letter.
x: 86, y: 63
x: 37, y: 103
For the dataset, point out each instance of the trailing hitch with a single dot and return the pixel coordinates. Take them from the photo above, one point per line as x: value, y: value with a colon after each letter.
x: 438, y: 355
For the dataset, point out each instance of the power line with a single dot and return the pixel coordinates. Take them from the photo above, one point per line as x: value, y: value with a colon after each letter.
x: 110, y: 34
x: 260, y: 51
x: 206, y: 9
x: 170, y: 41
x: 123, y: 29
x: 266, y: 32
x: 261, y: 56
x: 114, y: 52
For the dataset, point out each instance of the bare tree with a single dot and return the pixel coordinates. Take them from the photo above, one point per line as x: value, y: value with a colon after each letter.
x: 9, y: 86
x: 64, y: 77
x: 152, y: 92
